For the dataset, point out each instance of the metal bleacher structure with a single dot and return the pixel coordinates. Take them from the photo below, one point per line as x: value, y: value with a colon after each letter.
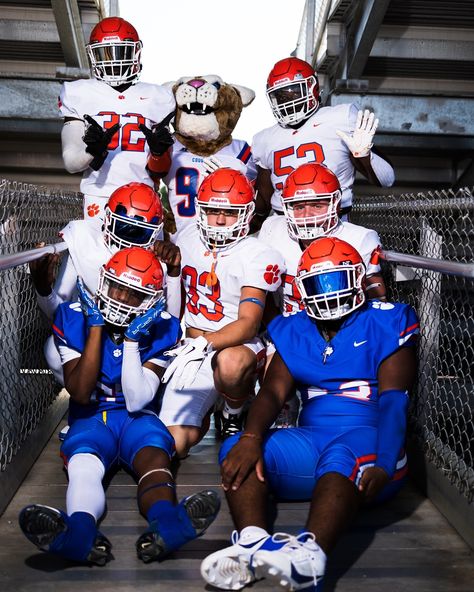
x: 411, y: 61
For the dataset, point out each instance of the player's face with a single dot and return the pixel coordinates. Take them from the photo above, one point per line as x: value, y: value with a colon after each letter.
x: 310, y: 209
x: 221, y: 217
x: 286, y: 94
x: 125, y: 294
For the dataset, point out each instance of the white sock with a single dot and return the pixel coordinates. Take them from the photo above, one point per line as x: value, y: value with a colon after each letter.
x: 231, y: 411
x: 85, y: 492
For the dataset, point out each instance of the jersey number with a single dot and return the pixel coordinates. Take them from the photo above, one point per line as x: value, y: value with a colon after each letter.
x: 186, y: 184
x: 293, y: 303
x: 125, y: 136
x: 311, y: 152
x: 192, y: 280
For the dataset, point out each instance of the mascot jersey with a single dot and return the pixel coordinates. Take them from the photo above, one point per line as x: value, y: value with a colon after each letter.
x: 70, y: 331
x: 187, y: 173
x: 212, y: 300
x: 338, y: 379
x: 282, y: 150
x: 128, y: 151
x: 87, y: 253
x: 274, y: 233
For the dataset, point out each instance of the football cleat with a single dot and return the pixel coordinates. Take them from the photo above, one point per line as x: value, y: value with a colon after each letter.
x: 288, y: 416
x: 200, y: 508
x: 297, y: 565
x: 43, y: 525
x: 230, y: 568
x: 228, y: 424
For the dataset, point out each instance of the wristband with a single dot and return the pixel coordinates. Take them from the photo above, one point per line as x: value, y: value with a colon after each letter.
x: 251, y: 435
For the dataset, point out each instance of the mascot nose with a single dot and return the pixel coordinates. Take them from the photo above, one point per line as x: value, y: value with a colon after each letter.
x: 196, y: 83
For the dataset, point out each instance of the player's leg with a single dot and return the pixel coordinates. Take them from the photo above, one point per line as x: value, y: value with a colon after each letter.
x: 146, y: 447
x: 88, y: 450
x: 184, y: 411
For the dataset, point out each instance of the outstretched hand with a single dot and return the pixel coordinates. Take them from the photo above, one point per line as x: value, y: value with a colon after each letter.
x: 241, y: 460
x: 360, y: 142
x: 141, y: 325
x: 90, y: 310
x: 97, y: 141
x: 211, y: 165
x: 188, y: 358
x: 159, y: 138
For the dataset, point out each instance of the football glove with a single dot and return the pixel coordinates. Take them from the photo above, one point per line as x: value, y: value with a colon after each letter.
x: 211, y: 164
x: 360, y: 142
x: 140, y: 326
x: 97, y: 140
x: 89, y: 308
x: 159, y: 138
x: 188, y: 358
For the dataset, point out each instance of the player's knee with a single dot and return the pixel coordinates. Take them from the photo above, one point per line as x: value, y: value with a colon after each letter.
x: 185, y: 437
x: 234, y: 365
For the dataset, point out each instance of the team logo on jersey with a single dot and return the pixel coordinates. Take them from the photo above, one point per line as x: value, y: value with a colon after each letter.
x: 382, y: 305
x: 359, y: 343
x: 76, y: 306
x: 117, y: 353
x: 272, y: 274
x: 93, y: 210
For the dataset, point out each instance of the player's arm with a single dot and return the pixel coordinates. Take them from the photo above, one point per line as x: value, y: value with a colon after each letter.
x: 396, y: 377
x: 375, y: 287
x: 245, y: 328
x: 376, y: 168
x: 170, y: 255
x: 160, y: 141
x: 246, y: 455
x: 81, y: 373
x: 264, y: 192
x: 75, y: 157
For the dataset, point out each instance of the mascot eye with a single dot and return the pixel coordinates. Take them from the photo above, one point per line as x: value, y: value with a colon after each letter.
x: 217, y: 85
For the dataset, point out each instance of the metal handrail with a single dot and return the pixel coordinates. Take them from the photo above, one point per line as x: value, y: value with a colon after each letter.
x: 9, y: 261
x: 440, y: 265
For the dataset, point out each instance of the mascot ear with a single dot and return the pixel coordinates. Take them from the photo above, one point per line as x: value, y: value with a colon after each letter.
x: 246, y: 94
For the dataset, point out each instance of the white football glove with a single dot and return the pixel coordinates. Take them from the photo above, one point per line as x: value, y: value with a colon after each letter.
x: 360, y: 142
x: 188, y: 358
x: 212, y: 164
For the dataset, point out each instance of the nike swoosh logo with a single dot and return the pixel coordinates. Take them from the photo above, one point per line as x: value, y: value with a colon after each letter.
x: 144, y: 98
x: 316, y: 124
x: 358, y: 343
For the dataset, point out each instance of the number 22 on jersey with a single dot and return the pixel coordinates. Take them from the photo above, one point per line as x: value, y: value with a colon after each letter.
x: 128, y: 137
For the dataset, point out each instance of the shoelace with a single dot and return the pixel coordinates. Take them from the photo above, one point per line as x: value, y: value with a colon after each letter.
x: 296, y: 543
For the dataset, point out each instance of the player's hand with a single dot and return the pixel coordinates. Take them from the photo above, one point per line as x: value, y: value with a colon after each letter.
x: 159, y: 138
x: 360, y: 142
x: 43, y: 272
x: 188, y: 358
x: 372, y: 482
x: 141, y: 325
x: 97, y: 141
x: 89, y: 308
x: 241, y: 460
x: 211, y: 165
x: 170, y: 254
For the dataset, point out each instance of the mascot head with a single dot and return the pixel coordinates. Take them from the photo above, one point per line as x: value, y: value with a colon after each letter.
x: 207, y: 111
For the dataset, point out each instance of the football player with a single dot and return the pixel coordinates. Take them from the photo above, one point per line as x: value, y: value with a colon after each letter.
x: 112, y: 353
x: 339, y: 137
x: 133, y: 217
x: 354, y: 362
x: 112, y: 122
x: 226, y: 275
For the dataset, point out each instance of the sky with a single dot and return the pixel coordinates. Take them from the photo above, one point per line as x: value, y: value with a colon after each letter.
x: 238, y: 41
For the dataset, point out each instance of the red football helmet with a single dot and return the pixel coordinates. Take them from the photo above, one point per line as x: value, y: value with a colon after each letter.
x: 133, y: 216
x: 293, y: 91
x: 114, y: 51
x: 225, y: 189
x: 329, y: 279
x: 130, y: 283
x: 315, y: 183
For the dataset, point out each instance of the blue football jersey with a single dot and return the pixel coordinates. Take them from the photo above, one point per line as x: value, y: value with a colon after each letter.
x: 70, y: 329
x: 338, y: 379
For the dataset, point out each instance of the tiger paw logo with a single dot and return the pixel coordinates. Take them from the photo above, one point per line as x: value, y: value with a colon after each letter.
x: 92, y: 210
x: 272, y: 274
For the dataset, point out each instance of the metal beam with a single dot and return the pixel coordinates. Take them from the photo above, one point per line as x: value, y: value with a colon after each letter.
x: 363, y: 36
x: 23, y: 30
x: 68, y: 21
x: 427, y: 49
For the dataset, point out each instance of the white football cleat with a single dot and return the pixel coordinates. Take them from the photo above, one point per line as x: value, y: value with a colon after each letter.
x: 229, y: 568
x: 298, y: 564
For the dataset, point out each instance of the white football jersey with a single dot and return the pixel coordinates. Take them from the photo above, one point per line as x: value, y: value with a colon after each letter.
x: 282, y: 150
x: 128, y: 150
x: 187, y: 173
x: 274, y: 233
x: 246, y: 263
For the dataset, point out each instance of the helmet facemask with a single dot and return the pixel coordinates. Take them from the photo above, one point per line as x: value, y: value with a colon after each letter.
x: 123, y: 231
x: 139, y: 298
x: 309, y: 228
x: 329, y: 291
x: 115, y: 61
x: 293, y: 101
x: 220, y: 237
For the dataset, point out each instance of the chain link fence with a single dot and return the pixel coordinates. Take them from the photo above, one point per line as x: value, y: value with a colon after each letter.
x: 28, y: 215
x: 438, y: 225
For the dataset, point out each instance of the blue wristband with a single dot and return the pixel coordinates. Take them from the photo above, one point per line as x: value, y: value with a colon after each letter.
x: 254, y: 300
